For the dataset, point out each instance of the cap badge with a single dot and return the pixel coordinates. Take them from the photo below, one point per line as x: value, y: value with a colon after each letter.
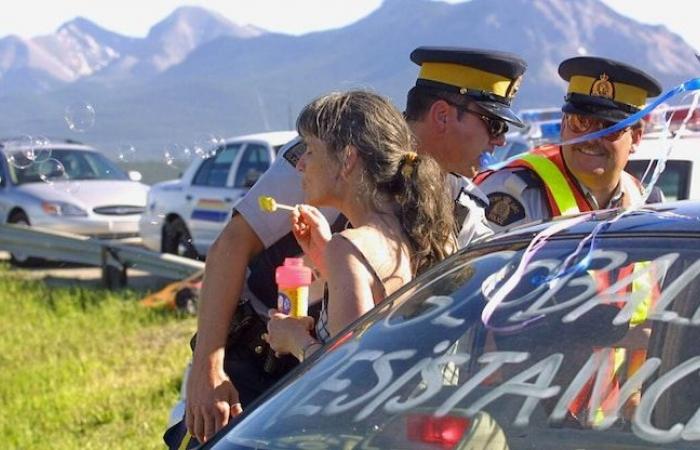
x: 603, y: 87
x: 514, y: 87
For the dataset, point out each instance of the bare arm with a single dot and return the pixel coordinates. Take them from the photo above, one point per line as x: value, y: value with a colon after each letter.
x: 211, y: 397
x: 349, y: 284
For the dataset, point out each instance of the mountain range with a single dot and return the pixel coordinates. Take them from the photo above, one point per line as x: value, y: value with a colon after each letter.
x: 198, y: 73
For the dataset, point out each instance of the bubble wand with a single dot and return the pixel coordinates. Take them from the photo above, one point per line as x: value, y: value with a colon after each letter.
x: 268, y: 204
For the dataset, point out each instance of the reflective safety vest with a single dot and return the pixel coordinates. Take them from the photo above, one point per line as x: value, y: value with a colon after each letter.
x: 619, y: 357
x: 644, y: 285
x: 564, y: 196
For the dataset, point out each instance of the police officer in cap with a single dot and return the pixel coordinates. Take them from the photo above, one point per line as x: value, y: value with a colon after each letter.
x: 558, y: 180
x: 459, y: 107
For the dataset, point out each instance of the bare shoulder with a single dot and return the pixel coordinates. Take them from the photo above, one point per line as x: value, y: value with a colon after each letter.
x: 344, y: 258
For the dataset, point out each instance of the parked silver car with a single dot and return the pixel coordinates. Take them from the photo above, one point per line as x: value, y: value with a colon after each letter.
x: 70, y: 187
x: 184, y: 216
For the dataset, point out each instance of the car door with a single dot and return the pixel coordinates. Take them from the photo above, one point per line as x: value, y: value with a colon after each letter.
x: 209, y: 197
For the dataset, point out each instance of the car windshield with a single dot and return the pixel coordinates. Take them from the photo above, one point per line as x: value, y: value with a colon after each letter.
x: 66, y: 164
x: 503, y: 348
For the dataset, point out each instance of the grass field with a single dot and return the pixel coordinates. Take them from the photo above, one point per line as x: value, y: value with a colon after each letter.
x: 88, y: 369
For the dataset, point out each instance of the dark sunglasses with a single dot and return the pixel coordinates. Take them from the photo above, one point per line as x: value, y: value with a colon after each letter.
x: 495, y: 127
x: 581, y: 124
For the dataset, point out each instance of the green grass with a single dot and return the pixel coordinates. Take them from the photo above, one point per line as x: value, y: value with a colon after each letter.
x: 87, y: 369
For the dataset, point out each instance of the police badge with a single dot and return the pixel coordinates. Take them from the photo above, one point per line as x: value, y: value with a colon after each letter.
x: 603, y: 87
x: 514, y: 87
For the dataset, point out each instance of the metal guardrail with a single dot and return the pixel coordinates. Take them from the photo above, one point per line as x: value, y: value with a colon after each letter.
x: 113, y: 256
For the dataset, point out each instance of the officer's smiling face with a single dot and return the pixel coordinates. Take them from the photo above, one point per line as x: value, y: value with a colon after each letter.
x: 319, y: 171
x: 598, y: 163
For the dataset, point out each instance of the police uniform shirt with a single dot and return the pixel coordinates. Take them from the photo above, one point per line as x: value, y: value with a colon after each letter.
x: 470, y: 202
x: 517, y: 197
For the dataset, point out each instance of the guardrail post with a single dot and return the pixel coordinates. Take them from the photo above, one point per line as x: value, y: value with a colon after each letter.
x: 113, y: 270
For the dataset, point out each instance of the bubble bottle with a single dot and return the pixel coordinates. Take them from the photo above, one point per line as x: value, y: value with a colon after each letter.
x: 293, y: 279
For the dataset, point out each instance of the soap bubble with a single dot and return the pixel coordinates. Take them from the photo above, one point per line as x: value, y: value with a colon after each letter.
x: 126, y: 153
x: 20, y: 151
x: 42, y: 148
x: 71, y: 187
x: 80, y: 116
x: 177, y: 156
x: 205, y: 145
x: 51, y: 170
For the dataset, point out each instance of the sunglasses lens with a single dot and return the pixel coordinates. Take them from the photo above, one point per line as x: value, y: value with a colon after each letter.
x: 579, y: 124
x: 583, y: 124
x: 497, y: 127
x: 502, y: 128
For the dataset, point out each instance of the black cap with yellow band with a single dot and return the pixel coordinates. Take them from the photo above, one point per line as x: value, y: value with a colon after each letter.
x: 487, y: 77
x: 606, y: 89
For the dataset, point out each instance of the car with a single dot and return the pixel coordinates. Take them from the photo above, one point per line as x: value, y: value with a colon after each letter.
x: 663, y: 138
x: 681, y: 176
x: 67, y: 186
x: 680, y: 179
x: 184, y: 216
x: 581, y: 332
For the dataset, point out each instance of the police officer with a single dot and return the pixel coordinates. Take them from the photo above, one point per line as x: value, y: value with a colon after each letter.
x: 558, y: 180
x: 458, y: 108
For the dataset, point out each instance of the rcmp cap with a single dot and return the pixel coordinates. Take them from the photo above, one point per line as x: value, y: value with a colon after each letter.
x: 606, y: 89
x: 487, y: 77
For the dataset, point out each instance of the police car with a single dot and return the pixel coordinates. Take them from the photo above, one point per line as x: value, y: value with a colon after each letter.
x: 185, y: 216
x: 681, y: 176
x: 577, y: 333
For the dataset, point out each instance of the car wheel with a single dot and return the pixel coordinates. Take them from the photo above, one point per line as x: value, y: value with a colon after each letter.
x: 21, y: 259
x: 177, y: 239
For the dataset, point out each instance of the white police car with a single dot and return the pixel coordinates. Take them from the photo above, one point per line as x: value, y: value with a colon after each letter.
x: 185, y: 216
x: 681, y: 177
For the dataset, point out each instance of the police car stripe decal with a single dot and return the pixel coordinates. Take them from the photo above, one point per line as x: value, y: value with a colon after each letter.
x: 211, y: 210
x: 209, y: 216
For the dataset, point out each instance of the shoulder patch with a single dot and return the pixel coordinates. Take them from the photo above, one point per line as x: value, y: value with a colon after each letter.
x: 529, y: 177
x: 294, y: 154
x: 504, y: 209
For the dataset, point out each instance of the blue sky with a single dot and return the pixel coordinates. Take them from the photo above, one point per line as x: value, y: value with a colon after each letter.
x: 29, y: 18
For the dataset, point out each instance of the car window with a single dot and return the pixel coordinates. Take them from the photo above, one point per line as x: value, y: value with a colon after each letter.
x: 674, y: 181
x: 255, y: 161
x: 214, y: 171
x: 66, y: 164
x: 485, y: 351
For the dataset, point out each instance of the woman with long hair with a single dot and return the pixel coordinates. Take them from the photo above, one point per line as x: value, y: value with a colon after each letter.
x: 360, y: 160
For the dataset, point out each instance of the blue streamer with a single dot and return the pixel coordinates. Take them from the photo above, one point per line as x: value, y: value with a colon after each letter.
x: 491, y: 163
x: 583, y: 265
